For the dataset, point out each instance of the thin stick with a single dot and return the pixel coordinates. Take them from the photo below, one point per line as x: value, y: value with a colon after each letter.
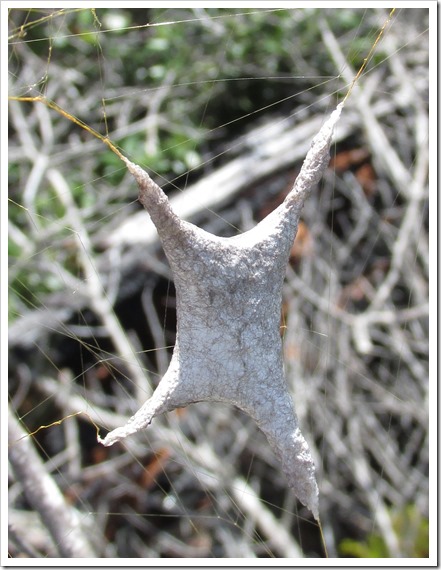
x: 371, y: 52
x: 61, y: 111
x: 57, y: 423
x: 323, y: 538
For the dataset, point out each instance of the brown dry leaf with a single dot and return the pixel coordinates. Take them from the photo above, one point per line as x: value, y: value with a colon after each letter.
x: 304, y: 243
x: 154, y: 468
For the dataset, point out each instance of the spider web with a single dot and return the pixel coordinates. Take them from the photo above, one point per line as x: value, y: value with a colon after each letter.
x: 182, y: 92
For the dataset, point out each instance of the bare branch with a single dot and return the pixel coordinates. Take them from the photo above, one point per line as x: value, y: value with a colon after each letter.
x: 66, y: 525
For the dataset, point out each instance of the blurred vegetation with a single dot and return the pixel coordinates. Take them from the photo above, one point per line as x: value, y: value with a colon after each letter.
x: 221, y: 64
x: 410, y: 527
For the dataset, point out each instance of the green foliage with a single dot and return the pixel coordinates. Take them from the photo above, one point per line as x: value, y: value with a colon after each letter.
x: 411, y: 528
